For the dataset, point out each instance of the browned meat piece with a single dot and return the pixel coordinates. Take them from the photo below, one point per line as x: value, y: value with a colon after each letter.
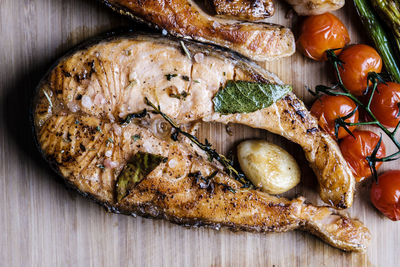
x: 77, y: 116
x: 258, y: 41
x: 242, y: 9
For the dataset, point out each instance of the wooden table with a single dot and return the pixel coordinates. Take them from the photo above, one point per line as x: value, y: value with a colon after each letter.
x: 43, y: 224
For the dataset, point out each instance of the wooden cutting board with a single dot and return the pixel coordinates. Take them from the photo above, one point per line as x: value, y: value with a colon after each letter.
x: 43, y: 224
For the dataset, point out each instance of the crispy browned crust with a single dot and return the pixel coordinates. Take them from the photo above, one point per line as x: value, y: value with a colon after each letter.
x: 258, y: 41
x: 72, y: 144
x: 250, y: 10
x: 295, y: 123
x: 183, y: 201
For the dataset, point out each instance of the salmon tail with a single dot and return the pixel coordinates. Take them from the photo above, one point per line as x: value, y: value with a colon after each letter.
x: 336, y: 229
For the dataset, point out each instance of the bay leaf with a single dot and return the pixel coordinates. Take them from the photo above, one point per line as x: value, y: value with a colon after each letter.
x: 246, y: 97
x: 135, y: 170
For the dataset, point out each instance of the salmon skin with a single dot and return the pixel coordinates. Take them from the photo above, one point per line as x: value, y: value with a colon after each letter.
x: 184, y: 18
x: 81, y: 102
x: 250, y: 10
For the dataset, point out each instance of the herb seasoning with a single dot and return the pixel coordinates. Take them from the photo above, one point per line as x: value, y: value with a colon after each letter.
x: 136, y: 137
x: 170, y: 76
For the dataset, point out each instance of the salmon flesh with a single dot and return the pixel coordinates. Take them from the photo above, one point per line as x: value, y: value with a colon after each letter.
x: 82, y: 100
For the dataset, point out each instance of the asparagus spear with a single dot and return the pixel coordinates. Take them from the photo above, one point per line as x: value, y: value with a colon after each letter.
x: 378, y: 35
x: 389, y: 11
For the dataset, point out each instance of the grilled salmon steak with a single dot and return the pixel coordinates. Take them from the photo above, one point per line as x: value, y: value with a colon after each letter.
x: 258, y: 41
x: 91, y: 124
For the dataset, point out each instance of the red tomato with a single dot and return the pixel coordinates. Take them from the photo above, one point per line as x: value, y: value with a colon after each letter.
x: 320, y: 33
x: 328, y: 108
x: 358, y: 60
x: 384, y: 104
x: 386, y: 194
x: 355, y: 150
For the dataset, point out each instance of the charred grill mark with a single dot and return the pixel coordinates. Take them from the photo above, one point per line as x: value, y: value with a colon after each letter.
x: 81, y: 76
x: 281, y: 206
x: 90, y: 130
x: 92, y: 67
x: 302, y: 114
x: 68, y: 138
x: 296, y: 105
x: 66, y: 158
x: 82, y: 147
x: 160, y: 197
x: 87, y: 72
x: 312, y: 130
x: 65, y: 73
x: 342, y: 203
x: 288, y: 98
x: 258, y: 77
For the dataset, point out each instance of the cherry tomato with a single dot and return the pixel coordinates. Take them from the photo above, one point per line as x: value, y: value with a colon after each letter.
x: 386, y: 194
x: 358, y: 60
x: 385, y: 102
x: 328, y: 108
x: 355, y: 150
x: 320, y: 33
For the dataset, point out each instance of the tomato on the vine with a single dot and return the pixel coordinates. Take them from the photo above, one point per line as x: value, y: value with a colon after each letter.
x: 320, y: 33
x: 385, y: 195
x: 385, y: 104
x: 328, y: 108
x: 358, y: 61
x: 356, y: 149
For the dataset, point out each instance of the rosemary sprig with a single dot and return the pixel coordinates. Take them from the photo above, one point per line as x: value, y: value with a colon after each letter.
x: 207, y: 147
x: 340, y: 89
x: 131, y: 116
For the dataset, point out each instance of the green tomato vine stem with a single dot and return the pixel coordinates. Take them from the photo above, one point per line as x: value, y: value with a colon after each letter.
x: 375, y: 79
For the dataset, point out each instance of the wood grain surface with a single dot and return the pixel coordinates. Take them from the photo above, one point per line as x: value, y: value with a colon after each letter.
x: 44, y: 224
